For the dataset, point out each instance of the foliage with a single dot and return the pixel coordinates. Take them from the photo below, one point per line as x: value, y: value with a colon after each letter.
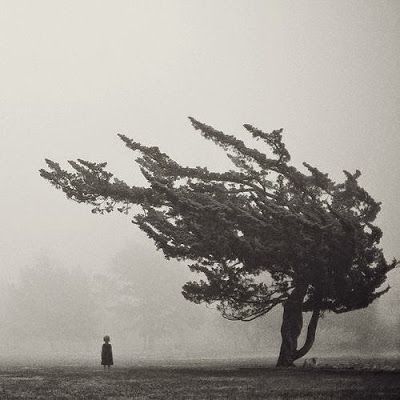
x: 255, y: 232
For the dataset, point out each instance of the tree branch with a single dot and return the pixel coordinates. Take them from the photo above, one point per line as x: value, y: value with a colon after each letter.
x: 312, y: 327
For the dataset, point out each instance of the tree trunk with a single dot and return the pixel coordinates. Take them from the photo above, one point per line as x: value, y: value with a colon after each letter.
x: 292, y: 324
x: 312, y: 327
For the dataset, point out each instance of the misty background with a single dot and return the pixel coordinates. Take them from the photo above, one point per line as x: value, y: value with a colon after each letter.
x: 76, y: 73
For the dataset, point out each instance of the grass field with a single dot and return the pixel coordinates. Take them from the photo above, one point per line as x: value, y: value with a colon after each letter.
x: 199, y: 381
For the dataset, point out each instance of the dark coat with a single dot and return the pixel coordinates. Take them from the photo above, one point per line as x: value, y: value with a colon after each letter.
x: 106, y: 354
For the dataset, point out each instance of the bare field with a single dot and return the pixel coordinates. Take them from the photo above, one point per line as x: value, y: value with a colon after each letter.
x: 197, y: 381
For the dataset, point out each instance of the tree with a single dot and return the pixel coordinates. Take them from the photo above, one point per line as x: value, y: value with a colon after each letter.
x: 132, y: 292
x: 263, y: 234
x: 50, y: 312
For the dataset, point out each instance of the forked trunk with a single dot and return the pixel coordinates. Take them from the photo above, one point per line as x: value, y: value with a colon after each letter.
x: 292, y: 324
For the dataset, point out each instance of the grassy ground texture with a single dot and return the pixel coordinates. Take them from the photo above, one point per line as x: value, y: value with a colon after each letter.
x: 197, y: 381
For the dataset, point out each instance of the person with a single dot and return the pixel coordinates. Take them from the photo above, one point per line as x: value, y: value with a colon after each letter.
x: 106, y: 353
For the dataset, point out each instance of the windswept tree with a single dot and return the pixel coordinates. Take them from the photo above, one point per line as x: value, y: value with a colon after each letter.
x: 260, y: 235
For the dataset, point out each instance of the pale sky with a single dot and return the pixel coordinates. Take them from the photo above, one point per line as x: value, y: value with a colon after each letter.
x: 73, y: 74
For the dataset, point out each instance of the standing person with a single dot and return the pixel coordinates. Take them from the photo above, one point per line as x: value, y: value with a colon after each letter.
x: 106, y: 353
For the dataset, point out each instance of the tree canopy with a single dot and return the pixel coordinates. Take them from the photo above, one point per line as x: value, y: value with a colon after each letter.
x: 256, y: 233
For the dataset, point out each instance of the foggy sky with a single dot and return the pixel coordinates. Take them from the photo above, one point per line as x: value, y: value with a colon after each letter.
x: 76, y: 73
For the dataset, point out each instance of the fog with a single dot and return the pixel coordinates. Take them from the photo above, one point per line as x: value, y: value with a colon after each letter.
x: 74, y: 74
x: 54, y: 313
x: 61, y: 314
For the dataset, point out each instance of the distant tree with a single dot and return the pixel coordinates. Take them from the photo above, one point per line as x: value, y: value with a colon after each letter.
x: 51, y: 311
x: 261, y: 235
x: 132, y: 292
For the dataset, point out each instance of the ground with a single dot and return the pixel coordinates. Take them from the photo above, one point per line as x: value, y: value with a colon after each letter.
x: 201, y: 380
